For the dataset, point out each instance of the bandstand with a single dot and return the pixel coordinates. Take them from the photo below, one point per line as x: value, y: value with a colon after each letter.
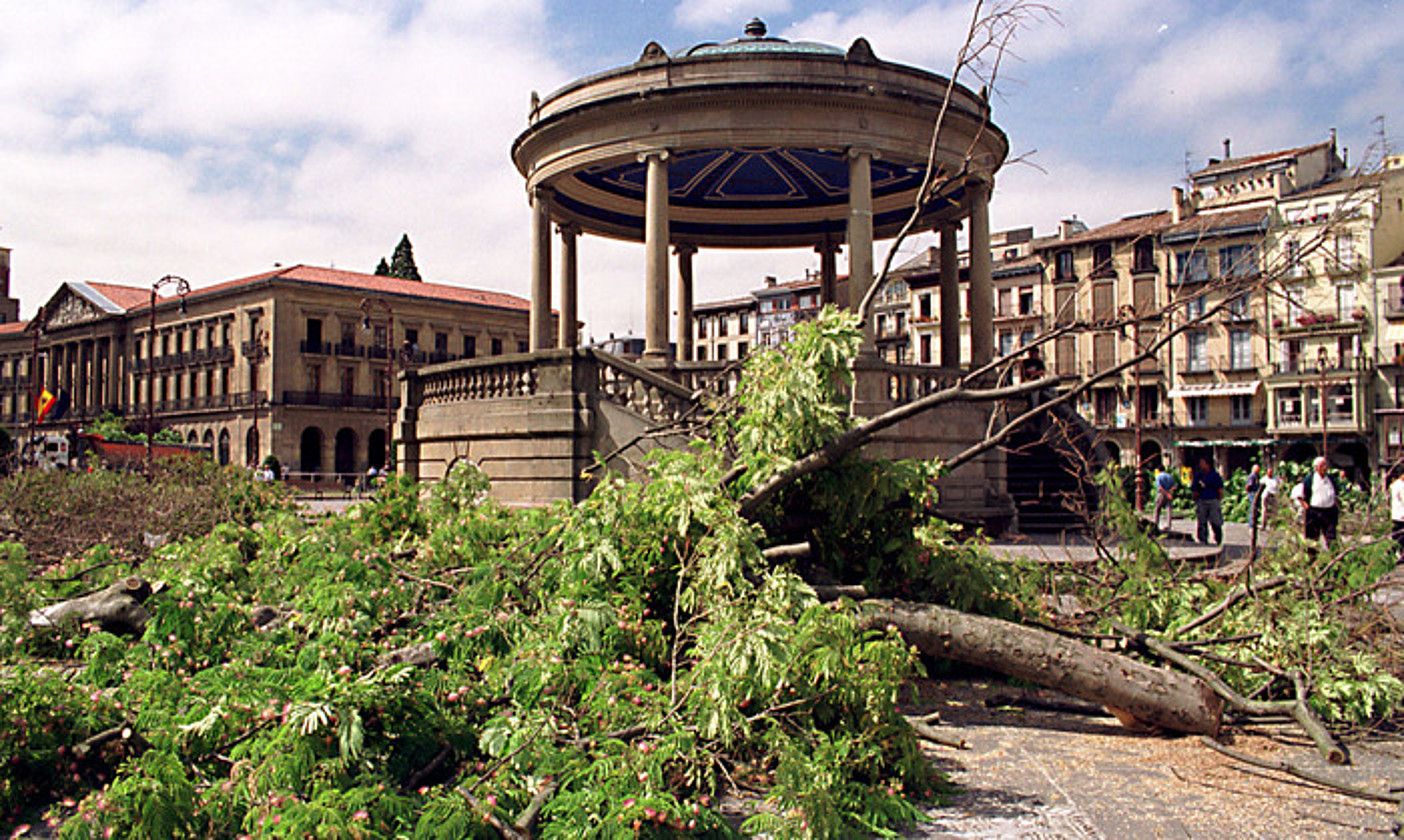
x: 755, y: 143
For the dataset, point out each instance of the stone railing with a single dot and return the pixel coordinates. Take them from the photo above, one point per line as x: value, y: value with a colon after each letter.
x: 639, y: 389
x: 717, y: 378
x: 481, y: 379
x: 906, y: 383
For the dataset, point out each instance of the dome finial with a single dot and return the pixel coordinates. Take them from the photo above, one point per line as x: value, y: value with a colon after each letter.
x: 756, y: 28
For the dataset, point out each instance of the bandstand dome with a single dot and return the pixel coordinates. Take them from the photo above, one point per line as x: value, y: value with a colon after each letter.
x: 758, y: 133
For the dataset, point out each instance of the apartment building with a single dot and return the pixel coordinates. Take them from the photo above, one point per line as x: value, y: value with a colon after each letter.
x: 724, y: 330
x: 292, y: 361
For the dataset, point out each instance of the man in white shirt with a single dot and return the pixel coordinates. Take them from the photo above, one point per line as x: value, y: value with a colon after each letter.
x: 1317, y: 496
x: 1396, y: 508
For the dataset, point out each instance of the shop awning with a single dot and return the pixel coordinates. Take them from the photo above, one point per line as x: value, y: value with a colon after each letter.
x: 1218, y: 389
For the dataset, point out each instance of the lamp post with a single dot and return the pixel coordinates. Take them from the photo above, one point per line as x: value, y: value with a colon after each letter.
x: 41, y: 320
x: 1129, y: 310
x: 1321, y: 361
x: 367, y: 304
x: 182, y: 288
x: 255, y: 352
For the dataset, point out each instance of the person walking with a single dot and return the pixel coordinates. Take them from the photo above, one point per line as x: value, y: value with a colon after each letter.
x: 1396, y: 510
x: 1164, y: 497
x: 1268, y: 497
x: 1253, y: 488
x: 1208, y: 490
x: 1320, y: 506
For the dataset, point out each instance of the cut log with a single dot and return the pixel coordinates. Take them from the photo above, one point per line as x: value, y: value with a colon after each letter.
x: 1154, y: 696
x: 117, y: 609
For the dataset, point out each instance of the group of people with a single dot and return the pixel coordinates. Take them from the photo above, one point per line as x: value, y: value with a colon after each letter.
x: 1317, y: 495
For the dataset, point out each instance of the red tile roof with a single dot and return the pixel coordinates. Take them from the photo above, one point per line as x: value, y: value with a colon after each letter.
x: 372, y: 284
x: 1130, y: 227
x: 1258, y: 160
x: 13, y: 327
x: 127, y: 297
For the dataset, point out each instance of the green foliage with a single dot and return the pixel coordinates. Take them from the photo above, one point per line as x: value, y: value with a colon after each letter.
x: 401, y: 262
x: 117, y: 429
x: 1302, y: 627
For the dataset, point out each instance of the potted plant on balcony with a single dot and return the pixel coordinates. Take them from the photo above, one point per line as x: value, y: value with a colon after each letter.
x: 1277, y: 323
x: 1358, y: 313
x: 1307, y: 319
x: 1326, y: 318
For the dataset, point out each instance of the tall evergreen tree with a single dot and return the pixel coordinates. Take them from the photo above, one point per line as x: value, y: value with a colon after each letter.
x: 402, y: 261
x: 383, y: 269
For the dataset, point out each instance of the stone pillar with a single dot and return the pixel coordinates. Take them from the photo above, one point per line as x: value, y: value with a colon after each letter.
x: 685, y: 253
x: 950, y: 297
x: 539, y: 328
x: 981, y: 276
x: 656, y: 258
x: 828, y: 270
x: 860, y: 236
x: 568, y: 334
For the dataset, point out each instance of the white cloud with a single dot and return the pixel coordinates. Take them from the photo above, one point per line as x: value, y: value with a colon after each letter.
x: 701, y: 14
x: 1065, y: 187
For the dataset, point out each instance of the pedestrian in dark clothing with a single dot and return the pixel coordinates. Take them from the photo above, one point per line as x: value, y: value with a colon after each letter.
x: 1208, y: 490
x: 1253, y: 488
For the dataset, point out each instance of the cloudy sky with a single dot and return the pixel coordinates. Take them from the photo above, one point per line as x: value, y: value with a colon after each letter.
x: 213, y: 139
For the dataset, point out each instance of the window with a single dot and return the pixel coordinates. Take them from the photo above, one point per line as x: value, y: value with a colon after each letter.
x: 901, y: 323
x: 1238, y: 307
x: 1144, y: 295
x: 742, y: 348
x: 924, y: 350
x: 348, y: 381
x: 745, y: 323
x: 440, y: 342
x: 1238, y: 261
x: 1144, y: 259
x: 1292, y: 257
x: 1194, y: 307
x: 1289, y: 406
x: 1345, y: 301
x: 701, y: 352
x: 722, y: 325
x: 224, y: 335
x: 521, y: 346
x: 1102, y: 260
x: 1191, y: 266
x: 1026, y: 300
x: 1196, y: 352
x: 1295, y: 295
x: 924, y: 306
x: 1340, y: 403
x: 1004, y: 306
x: 378, y: 336
x: 314, y: 379
x: 314, y: 331
x: 1241, y: 409
x: 1006, y: 343
x: 348, y: 333
x: 1240, y: 349
x: 1063, y: 271
x: 1104, y: 351
x: 1149, y: 403
x: 497, y: 347
x: 1064, y: 306
x: 1066, y: 350
x: 470, y: 346
x: 882, y: 324
x: 1104, y: 302
x: 1345, y: 251
x: 702, y: 326
x: 1104, y: 403
x: 1197, y: 409
x: 412, y: 338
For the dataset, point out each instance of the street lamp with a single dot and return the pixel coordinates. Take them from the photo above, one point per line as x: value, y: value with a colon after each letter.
x: 1321, y: 362
x: 367, y: 304
x: 255, y: 352
x: 41, y: 320
x: 182, y: 288
x: 1128, y: 310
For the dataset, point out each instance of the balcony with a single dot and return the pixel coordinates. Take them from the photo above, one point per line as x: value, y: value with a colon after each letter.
x: 315, y: 348
x: 333, y: 400
x: 1197, y: 367
x: 349, y: 348
x: 1307, y: 365
x: 1014, y: 313
x: 1318, y: 323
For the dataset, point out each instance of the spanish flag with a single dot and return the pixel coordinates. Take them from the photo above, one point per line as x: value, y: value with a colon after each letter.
x: 46, y: 402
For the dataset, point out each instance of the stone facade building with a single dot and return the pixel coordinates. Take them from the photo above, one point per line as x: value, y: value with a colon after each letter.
x: 286, y: 361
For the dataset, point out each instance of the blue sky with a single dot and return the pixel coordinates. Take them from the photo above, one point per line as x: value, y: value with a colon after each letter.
x: 212, y: 139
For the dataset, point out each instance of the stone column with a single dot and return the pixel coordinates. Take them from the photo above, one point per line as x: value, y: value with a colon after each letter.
x: 685, y: 253
x: 828, y: 270
x: 860, y: 236
x: 656, y: 258
x: 568, y: 335
x: 981, y: 276
x: 950, y: 297
x: 539, y: 328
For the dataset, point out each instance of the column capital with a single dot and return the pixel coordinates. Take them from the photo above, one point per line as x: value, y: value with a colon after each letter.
x: 828, y: 245
x: 541, y: 192
x: 684, y: 249
x: 568, y: 229
x: 855, y: 152
x: 661, y: 154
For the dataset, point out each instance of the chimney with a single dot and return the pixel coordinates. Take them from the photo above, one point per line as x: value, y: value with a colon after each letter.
x: 1070, y: 227
x: 1227, y: 153
x: 1177, y: 204
x: 4, y: 272
x: 770, y: 281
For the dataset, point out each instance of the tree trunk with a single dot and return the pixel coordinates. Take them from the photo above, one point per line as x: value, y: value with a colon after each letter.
x: 117, y: 609
x: 1154, y: 696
